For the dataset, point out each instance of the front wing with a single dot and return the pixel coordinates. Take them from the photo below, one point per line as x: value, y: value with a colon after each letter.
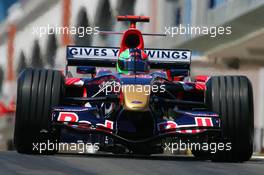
x: 86, y: 119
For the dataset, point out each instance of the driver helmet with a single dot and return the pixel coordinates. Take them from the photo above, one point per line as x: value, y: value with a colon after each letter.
x: 132, y: 60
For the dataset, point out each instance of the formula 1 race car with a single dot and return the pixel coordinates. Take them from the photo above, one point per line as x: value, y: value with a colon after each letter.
x: 136, y: 100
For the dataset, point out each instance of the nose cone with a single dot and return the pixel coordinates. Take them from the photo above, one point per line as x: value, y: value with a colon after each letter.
x: 136, y: 97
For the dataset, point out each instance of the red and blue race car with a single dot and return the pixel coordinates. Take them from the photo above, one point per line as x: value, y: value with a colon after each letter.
x: 131, y: 98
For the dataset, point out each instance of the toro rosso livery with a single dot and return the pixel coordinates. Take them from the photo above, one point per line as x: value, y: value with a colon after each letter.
x: 131, y: 99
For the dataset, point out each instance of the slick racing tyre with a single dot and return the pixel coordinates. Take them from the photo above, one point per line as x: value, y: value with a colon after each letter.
x: 201, y: 155
x: 37, y: 91
x: 232, y: 98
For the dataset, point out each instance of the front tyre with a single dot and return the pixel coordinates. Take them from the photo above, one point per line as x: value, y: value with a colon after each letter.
x: 37, y: 91
x: 232, y: 98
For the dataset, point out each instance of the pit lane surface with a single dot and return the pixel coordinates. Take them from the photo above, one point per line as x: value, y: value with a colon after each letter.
x: 12, y: 163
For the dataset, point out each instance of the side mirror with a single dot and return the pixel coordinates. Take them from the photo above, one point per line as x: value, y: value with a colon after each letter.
x: 179, y: 72
x: 86, y: 70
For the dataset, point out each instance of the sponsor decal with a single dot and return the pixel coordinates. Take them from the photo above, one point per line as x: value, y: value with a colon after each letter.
x: 167, y: 54
x: 199, y: 121
x: 108, y: 124
x: 203, y: 121
x: 112, y: 53
x: 68, y: 117
x: 89, y: 52
x: 136, y: 102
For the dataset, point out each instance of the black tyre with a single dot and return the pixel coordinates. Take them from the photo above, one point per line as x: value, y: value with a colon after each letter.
x: 37, y: 91
x: 232, y: 98
x: 201, y: 155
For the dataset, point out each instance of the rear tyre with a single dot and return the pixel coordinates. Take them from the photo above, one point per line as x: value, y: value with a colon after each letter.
x: 232, y: 98
x: 37, y: 91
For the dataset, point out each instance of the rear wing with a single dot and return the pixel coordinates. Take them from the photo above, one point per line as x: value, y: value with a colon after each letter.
x: 107, y: 57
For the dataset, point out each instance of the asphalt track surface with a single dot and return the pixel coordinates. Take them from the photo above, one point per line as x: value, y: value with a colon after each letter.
x: 12, y: 163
